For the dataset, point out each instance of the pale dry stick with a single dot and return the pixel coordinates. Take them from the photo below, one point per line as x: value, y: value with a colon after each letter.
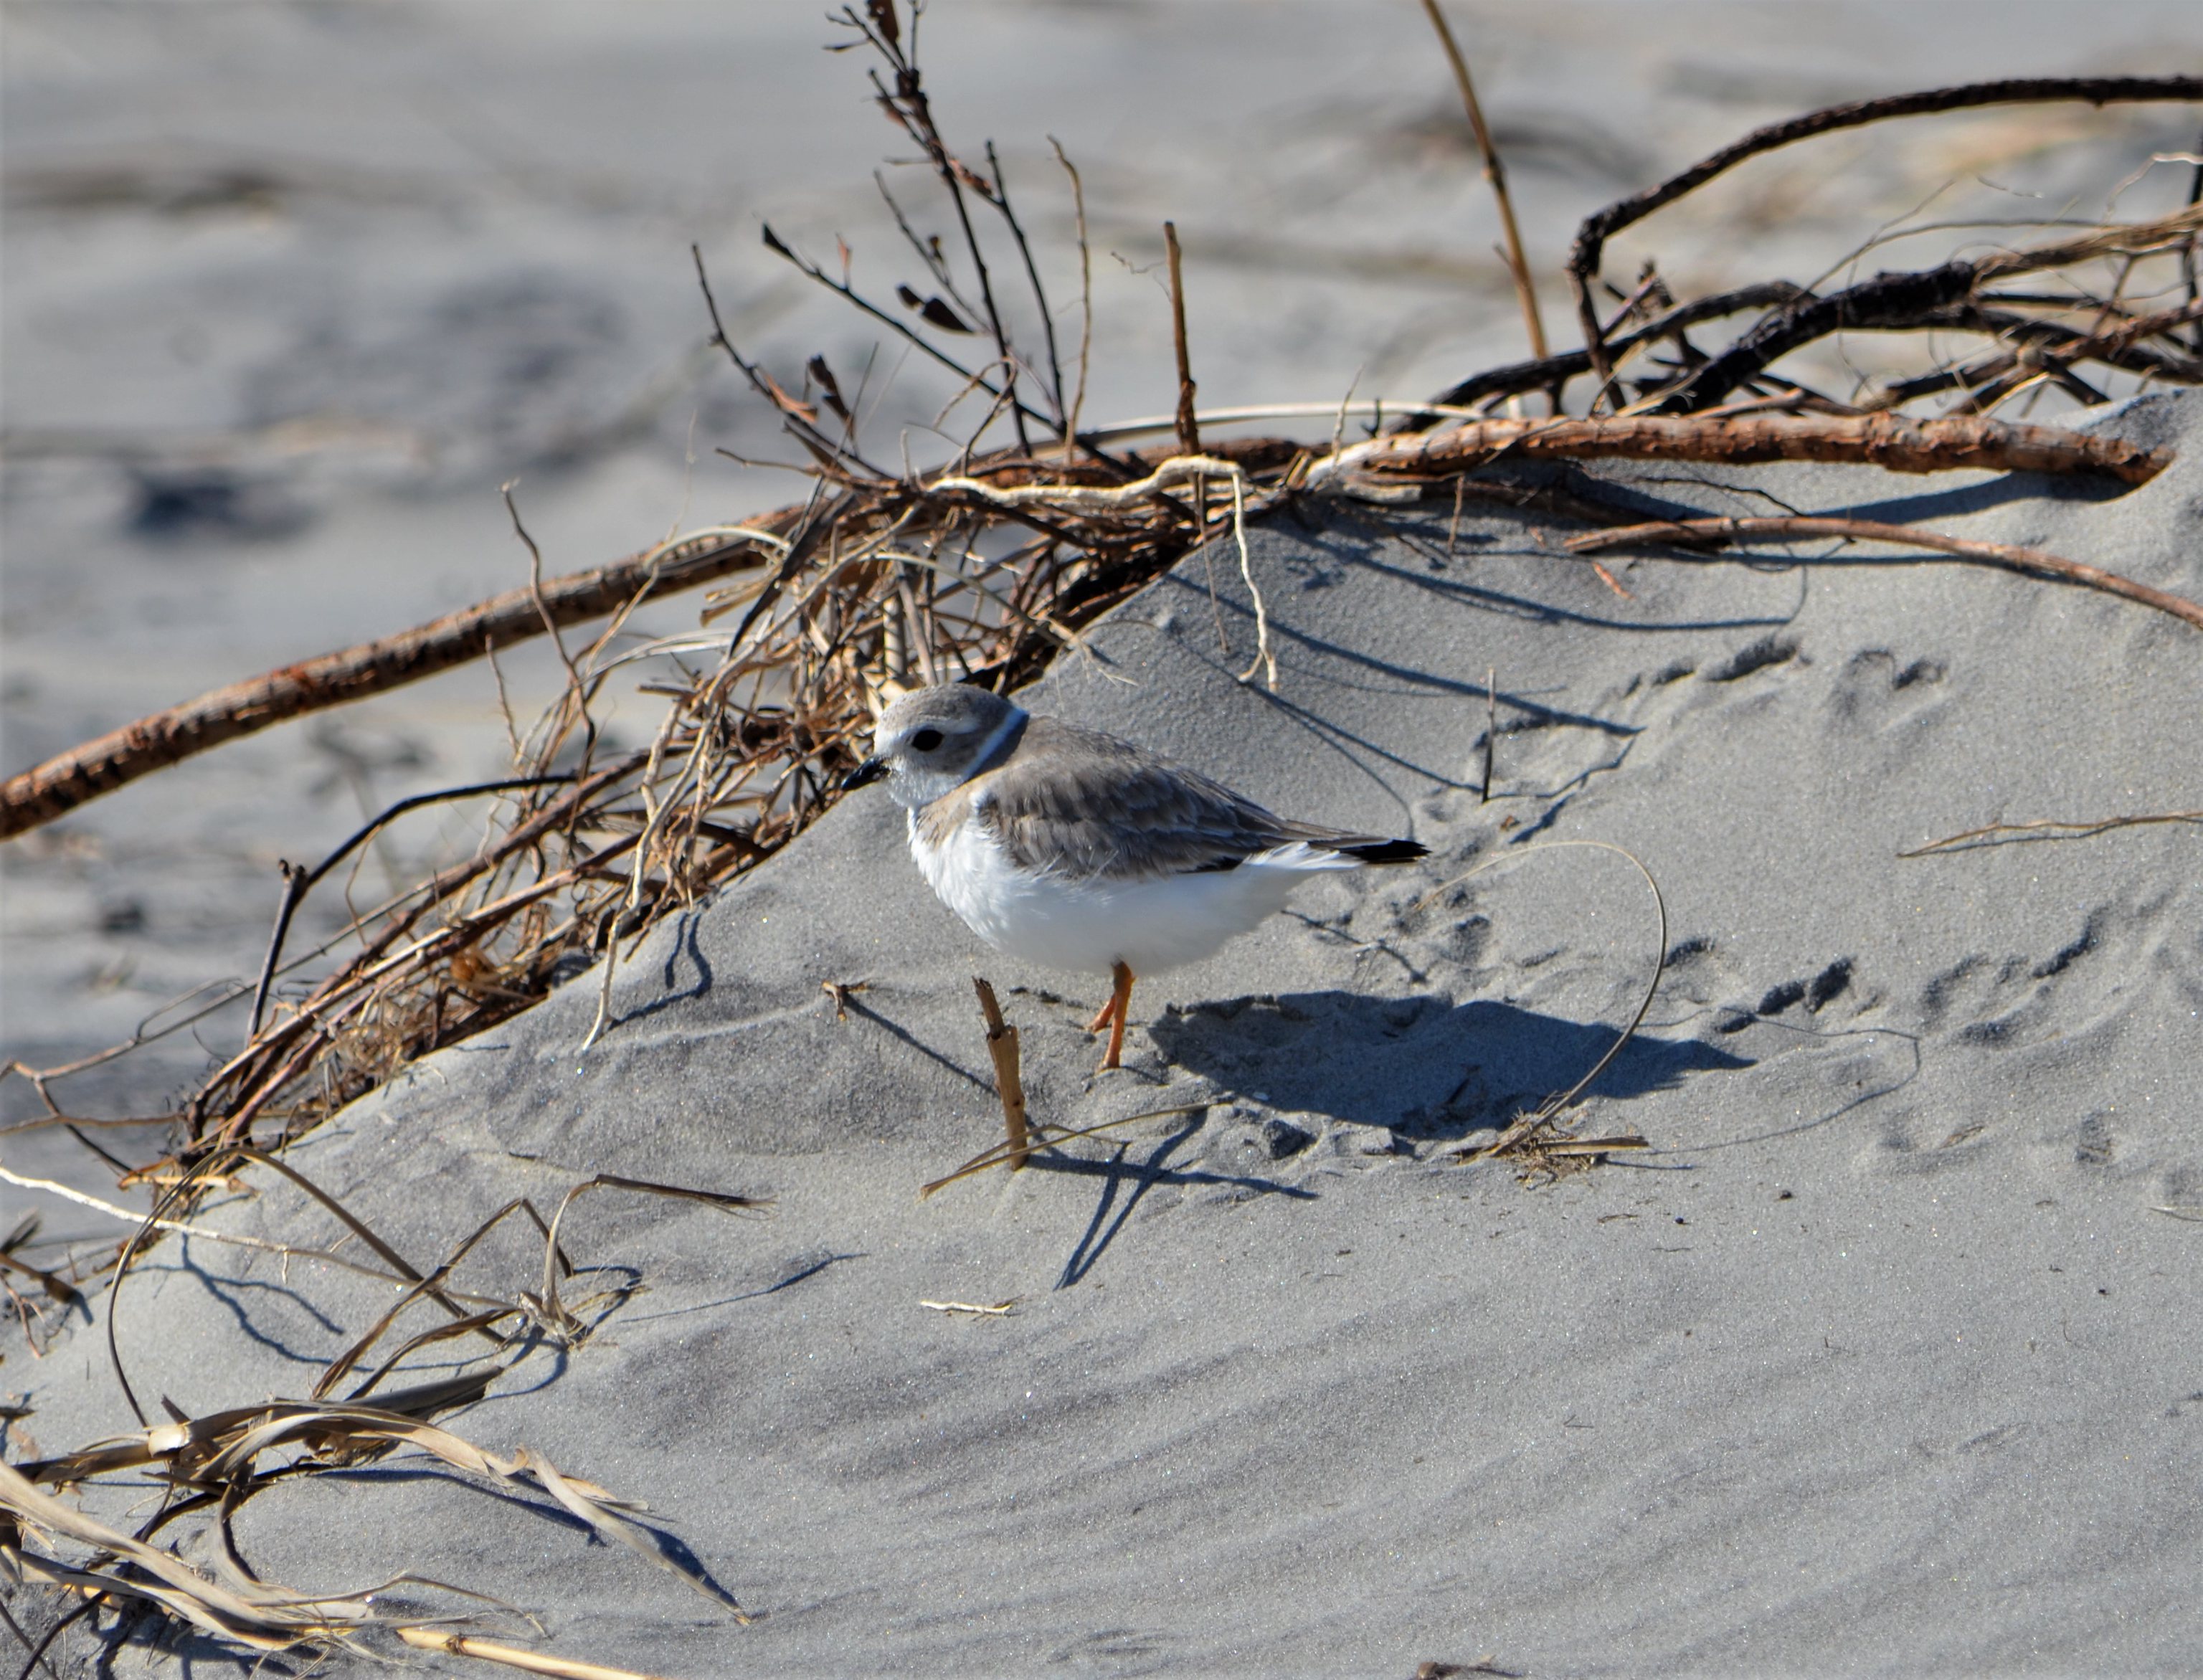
x: 184, y: 1227
x: 1096, y: 498
x: 653, y: 807
x: 1496, y: 177
x: 2005, y: 557
x: 1263, y: 656
x: 1188, y: 428
x: 1009, y: 1085
x: 1895, y: 443
x: 998, y: 1310
x: 2046, y: 829
x: 513, y: 1656
x: 1345, y: 403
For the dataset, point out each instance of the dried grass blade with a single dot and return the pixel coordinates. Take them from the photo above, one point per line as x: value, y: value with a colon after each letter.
x: 531, y: 1662
x: 724, y: 1201
x: 267, y: 1621
x: 451, y: 1332
x: 342, y: 1364
x: 609, y: 1525
x: 341, y: 1431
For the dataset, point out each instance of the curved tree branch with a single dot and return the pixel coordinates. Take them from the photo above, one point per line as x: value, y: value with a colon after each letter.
x: 1602, y: 225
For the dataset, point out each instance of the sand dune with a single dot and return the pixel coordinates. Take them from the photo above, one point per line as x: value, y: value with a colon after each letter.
x: 1880, y: 1359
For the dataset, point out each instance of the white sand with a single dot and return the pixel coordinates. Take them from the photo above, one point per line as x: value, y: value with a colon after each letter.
x: 1882, y: 1361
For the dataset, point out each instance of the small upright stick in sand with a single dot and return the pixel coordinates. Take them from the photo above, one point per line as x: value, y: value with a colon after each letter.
x: 1002, y: 1045
x: 1491, y: 729
x: 1189, y: 433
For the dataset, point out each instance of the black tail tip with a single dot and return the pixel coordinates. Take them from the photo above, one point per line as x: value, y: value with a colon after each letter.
x: 1389, y: 851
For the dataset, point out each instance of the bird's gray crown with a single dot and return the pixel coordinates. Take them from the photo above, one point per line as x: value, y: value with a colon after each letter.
x: 934, y: 739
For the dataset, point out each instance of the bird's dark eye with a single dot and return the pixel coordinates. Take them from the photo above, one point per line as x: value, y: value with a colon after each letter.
x: 926, y: 740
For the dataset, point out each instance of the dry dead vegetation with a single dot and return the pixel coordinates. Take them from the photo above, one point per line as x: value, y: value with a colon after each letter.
x: 984, y: 567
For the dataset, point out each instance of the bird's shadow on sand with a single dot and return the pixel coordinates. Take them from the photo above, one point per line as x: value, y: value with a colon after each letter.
x: 1419, y: 1065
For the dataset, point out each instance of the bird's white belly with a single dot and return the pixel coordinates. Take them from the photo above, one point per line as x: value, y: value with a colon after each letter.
x: 1149, y: 925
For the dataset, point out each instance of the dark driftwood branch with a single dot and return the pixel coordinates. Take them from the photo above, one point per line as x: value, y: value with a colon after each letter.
x: 1554, y: 370
x: 1939, y: 296
x: 1890, y: 441
x: 2055, y: 348
x: 1602, y: 226
x: 2027, y: 562
x: 116, y: 759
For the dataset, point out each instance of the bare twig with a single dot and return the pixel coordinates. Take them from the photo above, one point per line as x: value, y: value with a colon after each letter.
x: 1189, y: 429
x: 1929, y: 299
x: 2027, y: 562
x: 1085, y: 294
x: 113, y: 760
x: 1555, y: 371
x: 1040, y: 293
x: 2000, y: 834
x: 1525, y: 289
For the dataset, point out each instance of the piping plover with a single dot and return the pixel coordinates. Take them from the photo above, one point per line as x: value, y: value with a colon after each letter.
x: 1071, y: 849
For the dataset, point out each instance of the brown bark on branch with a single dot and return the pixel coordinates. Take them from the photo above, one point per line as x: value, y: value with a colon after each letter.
x: 1602, y: 226
x: 59, y: 786
x: 1890, y: 441
x: 113, y: 760
x: 2006, y: 556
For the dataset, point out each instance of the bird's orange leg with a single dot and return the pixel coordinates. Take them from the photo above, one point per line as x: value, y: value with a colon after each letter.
x: 1120, y: 1011
x: 1103, y: 1016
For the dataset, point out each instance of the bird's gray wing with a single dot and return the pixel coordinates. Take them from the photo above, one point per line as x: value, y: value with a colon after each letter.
x: 1087, y: 806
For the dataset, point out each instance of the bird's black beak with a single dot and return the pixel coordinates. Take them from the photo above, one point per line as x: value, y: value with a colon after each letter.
x: 865, y: 774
